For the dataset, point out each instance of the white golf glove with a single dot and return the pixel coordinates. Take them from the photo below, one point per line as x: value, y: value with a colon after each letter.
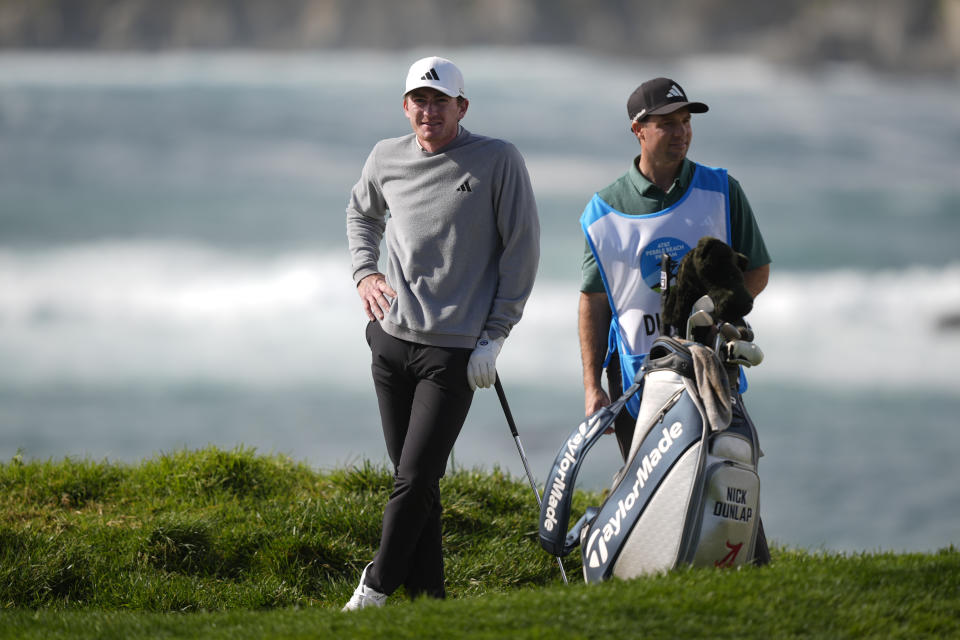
x: 482, y: 367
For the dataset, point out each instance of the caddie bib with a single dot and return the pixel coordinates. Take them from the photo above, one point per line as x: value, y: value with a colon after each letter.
x: 628, y: 250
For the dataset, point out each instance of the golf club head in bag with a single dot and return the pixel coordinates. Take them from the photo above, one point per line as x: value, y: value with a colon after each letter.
x: 741, y: 352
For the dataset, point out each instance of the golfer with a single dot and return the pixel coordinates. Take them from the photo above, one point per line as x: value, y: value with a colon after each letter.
x: 462, y: 246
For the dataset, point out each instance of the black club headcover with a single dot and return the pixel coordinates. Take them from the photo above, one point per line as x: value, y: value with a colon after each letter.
x: 711, y: 268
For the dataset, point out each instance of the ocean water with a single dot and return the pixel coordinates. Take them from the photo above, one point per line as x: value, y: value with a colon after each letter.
x: 174, y: 272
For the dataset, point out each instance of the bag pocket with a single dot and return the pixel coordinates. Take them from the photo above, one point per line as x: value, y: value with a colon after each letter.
x: 730, y: 511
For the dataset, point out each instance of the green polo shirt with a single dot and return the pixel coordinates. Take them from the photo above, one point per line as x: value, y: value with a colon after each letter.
x: 633, y: 194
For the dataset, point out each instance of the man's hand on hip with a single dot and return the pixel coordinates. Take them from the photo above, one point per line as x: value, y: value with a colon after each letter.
x: 373, y: 291
x: 482, y: 367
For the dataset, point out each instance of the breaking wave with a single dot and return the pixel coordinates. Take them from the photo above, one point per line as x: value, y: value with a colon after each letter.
x: 169, y: 314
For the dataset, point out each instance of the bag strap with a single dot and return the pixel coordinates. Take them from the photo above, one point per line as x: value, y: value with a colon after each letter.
x: 666, y: 353
x: 558, y: 491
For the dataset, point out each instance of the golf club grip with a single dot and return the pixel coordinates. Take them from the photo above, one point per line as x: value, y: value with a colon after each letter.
x: 664, y: 274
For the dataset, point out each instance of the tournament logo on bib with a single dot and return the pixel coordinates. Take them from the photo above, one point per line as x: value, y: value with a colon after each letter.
x: 652, y: 254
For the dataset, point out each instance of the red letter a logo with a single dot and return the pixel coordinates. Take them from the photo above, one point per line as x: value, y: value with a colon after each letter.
x: 730, y: 558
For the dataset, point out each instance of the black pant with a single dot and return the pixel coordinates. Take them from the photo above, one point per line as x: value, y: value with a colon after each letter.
x: 424, y: 398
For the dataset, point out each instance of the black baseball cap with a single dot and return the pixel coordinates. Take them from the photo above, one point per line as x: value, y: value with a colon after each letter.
x: 660, y: 96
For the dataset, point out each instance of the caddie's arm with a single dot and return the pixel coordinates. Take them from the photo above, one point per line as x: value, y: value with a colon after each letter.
x: 748, y: 240
x: 593, y: 328
x: 755, y: 280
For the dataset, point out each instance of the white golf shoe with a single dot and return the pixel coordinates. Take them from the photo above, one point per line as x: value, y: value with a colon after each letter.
x: 364, y: 596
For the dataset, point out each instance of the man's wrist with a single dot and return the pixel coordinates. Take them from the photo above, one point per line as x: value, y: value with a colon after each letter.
x: 362, y: 274
x: 593, y: 387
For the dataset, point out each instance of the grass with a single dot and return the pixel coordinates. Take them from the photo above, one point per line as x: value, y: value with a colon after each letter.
x: 231, y: 544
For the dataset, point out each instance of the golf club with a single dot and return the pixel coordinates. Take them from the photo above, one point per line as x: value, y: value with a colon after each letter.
x: 666, y: 273
x: 744, y: 353
x: 703, y: 303
x: 698, y: 319
x: 726, y: 333
x: 523, y: 456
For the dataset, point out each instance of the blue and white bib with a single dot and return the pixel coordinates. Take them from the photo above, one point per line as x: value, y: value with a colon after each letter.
x: 628, y: 250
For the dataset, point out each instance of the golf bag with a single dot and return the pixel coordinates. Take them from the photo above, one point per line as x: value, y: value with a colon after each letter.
x: 689, y: 490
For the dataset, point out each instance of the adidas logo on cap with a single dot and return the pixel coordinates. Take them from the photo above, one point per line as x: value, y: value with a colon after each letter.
x: 436, y: 73
x: 659, y: 96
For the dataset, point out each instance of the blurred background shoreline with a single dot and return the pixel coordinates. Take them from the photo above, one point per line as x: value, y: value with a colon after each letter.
x: 887, y: 35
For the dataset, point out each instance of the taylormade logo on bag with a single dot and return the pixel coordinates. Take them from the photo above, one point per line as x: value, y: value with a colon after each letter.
x: 601, y: 536
x: 569, y: 460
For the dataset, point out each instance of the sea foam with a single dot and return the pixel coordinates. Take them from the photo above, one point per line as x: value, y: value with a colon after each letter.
x: 116, y: 313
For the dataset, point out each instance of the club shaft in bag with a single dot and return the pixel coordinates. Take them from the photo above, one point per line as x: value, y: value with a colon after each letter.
x: 523, y: 457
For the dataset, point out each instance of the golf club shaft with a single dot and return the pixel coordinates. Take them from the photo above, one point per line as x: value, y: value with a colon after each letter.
x: 516, y: 437
x: 523, y: 457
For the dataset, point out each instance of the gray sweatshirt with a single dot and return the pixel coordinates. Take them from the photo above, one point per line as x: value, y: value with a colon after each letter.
x: 463, y: 239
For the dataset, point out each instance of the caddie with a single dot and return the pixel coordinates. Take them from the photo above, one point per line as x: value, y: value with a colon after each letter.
x: 664, y: 203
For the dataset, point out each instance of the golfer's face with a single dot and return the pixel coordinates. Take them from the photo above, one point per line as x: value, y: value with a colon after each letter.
x: 433, y: 115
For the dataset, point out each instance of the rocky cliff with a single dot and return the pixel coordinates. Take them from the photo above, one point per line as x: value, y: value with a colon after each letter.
x: 897, y: 35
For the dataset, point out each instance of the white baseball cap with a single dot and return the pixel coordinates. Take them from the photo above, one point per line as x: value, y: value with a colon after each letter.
x: 437, y: 73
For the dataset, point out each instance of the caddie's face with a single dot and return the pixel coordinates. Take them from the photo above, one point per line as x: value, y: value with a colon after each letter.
x: 434, y: 116
x: 665, y: 138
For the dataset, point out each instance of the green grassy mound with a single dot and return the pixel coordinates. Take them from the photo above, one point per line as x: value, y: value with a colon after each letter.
x: 232, y: 544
